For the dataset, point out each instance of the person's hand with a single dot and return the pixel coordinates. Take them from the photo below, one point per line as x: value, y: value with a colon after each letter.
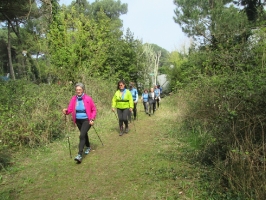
x: 130, y: 109
x: 91, y: 122
x: 113, y: 109
x: 64, y: 111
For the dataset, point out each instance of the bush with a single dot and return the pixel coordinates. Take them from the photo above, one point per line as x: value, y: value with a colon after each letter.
x: 231, y: 109
x: 30, y: 114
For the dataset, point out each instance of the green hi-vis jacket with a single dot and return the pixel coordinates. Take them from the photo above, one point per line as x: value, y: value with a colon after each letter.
x: 122, y: 101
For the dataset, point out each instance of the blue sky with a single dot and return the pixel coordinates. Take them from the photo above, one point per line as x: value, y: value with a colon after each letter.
x: 152, y: 21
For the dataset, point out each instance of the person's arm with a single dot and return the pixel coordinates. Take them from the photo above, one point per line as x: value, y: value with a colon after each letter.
x: 93, y: 111
x: 131, y: 102
x: 137, y: 96
x: 114, y: 102
x: 69, y: 109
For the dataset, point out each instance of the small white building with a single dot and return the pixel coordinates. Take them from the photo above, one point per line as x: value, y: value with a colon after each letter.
x: 163, y: 82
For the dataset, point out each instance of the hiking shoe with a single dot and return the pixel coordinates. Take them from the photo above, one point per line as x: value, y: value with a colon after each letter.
x: 126, y: 130
x: 78, y: 158
x: 87, y: 151
x: 121, y: 132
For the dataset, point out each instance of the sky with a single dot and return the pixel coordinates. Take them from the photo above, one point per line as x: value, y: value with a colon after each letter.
x: 152, y: 22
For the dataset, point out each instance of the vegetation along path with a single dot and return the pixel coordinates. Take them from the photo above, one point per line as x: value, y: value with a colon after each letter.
x: 146, y: 163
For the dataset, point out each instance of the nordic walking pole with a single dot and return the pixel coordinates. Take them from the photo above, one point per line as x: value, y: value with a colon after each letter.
x: 137, y: 114
x: 134, y: 126
x: 115, y: 115
x: 68, y: 139
x: 97, y: 134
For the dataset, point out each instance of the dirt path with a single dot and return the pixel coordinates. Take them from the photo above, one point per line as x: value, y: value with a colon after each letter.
x: 142, y: 164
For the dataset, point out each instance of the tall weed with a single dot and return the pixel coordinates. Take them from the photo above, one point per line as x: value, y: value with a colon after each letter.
x: 231, y: 110
x: 31, y: 115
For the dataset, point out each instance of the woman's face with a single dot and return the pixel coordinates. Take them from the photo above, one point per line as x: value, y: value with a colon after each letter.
x: 79, y: 91
x: 152, y: 89
x: 121, y: 86
x: 145, y: 91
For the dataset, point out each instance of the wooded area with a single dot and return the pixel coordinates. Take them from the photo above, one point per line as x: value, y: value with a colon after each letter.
x: 224, y: 75
x: 44, y: 42
x: 221, y: 77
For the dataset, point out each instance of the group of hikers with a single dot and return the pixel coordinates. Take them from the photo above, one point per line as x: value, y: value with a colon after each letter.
x: 83, y: 110
x: 151, y: 99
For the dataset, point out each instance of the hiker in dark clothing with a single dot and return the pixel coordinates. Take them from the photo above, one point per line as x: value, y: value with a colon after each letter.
x: 157, y: 96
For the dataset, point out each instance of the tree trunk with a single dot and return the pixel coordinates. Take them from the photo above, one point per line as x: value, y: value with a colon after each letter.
x: 156, y: 65
x: 9, y: 53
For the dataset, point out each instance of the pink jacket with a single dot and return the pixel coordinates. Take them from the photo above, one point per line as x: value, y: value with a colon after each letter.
x: 89, y: 105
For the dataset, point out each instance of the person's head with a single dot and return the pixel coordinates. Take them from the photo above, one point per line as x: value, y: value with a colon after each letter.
x: 152, y: 89
x: 121, y: 85
x: 145, y: 91
x: 155, y: 86
x: 79, y: 88
x: 131, y: 85
x: 158, y: 86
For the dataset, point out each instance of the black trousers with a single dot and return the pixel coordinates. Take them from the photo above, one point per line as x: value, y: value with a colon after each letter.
x: 158, y: 102
x: 152, y: 106
x: 122, y: 116
x: 83, y: 126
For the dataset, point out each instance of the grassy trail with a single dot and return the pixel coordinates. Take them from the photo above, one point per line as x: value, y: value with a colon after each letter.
x: 143, y: 164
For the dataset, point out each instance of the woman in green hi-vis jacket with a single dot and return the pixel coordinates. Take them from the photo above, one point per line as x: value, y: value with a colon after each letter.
x: 123, y: 102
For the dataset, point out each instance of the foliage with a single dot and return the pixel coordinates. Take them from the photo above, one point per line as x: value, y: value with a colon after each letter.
x: 112, y: 9
x: 131, y: 61
x: 174, y: 71
x: 23, y: 121
x: 222, y: 77
x: 78, y: 44
x: 31, y: 114
x: 164, y: 55
x: 155, y: 168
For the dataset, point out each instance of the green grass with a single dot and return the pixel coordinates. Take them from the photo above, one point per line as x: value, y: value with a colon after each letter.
x: 144, y: 164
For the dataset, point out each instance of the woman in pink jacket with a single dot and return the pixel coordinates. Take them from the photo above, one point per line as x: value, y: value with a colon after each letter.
x: 83, y: 112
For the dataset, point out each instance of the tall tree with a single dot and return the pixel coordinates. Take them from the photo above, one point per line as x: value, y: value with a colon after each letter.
x: 16, y: 14
x: 112, y: 8
x: 253, y: 8
x: 80, y: 44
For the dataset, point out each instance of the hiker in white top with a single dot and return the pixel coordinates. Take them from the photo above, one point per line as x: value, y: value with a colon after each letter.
x: 152, y: 102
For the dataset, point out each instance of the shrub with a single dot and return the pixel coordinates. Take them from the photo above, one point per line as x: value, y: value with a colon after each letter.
x: 31, y: 114
x: 231, y: 109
